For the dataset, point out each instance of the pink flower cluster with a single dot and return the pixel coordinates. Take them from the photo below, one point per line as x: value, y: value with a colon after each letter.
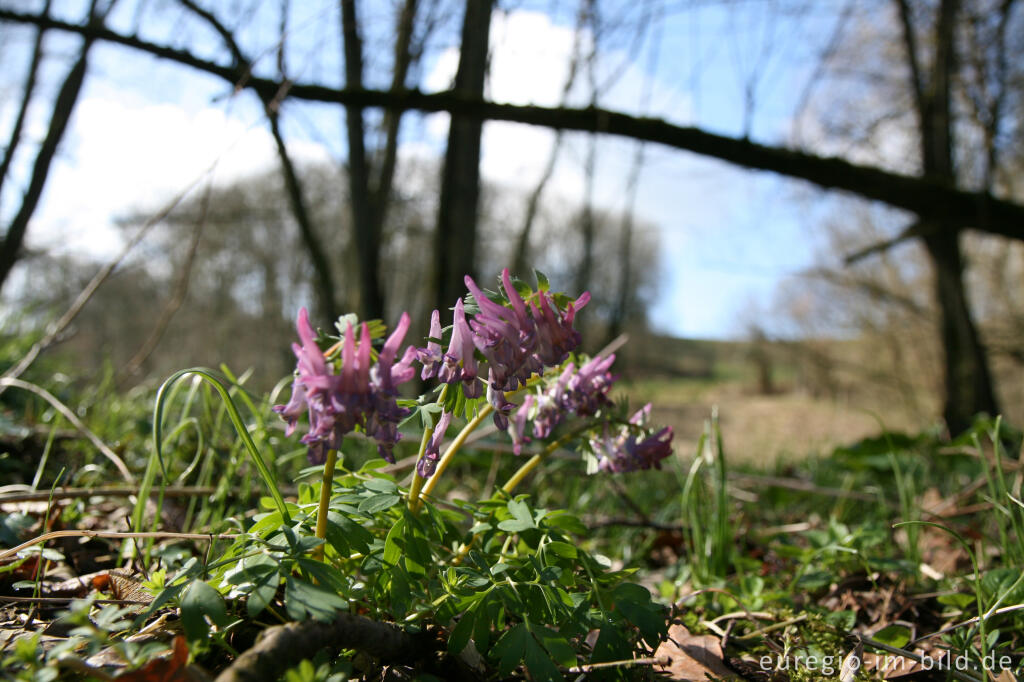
x: 364, y: 394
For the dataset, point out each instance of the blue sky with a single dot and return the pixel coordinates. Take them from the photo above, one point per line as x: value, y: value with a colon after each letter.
x: 145, y: 130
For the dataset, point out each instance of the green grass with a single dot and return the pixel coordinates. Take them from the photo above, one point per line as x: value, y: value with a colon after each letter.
x: 796, y: 559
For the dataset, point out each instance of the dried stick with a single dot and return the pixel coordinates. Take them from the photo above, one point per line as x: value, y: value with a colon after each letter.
x: 46, y: 537
x: 71, y: 417
x: 282, y: 646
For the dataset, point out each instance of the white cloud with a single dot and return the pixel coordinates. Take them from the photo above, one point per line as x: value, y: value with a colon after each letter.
x: 123, y: 156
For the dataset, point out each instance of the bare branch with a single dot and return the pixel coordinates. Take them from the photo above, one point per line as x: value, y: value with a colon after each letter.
x: 26, y: 98
x: 927, y: 197
x: 917, y: 229
x: 282, y: 646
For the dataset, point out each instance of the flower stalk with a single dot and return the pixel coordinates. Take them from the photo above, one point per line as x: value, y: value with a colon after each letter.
x: 326, y: 487
x: 460, y: 439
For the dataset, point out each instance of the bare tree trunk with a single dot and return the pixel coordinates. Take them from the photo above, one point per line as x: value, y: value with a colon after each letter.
x: 367, y: 235
x: 455, y: 240
x: 10, y: 250
x: 624, y: 301
x: 26, y: 98
x: 323, y: 280
x: 404, y: 57
x: 521, y: 260
x: 968, y: 382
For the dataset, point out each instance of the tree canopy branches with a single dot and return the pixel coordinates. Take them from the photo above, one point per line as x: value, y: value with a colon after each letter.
x: 927, y: 198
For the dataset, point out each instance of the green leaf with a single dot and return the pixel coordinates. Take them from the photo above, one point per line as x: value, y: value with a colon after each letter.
x: 263, y: 591
x: 399, y: 591
x: 957, y: 600
x: 516, y: 525
x: 199, y: 602
x: 893, y: 635
x: 357, y: 537
x: 392, y: 550
x: 565, y: 521
x: 511, y: 649
x: 562, y: 549
x: 459, y: 637
x: 325, y: 575
x: 380, y: 485
x: 558, y: 646
x: 303, y: 599
x: 539, y: 663
x: 378, y: 503
x: 634, y: 602
x: 542, y: 281
x: 520, y: 510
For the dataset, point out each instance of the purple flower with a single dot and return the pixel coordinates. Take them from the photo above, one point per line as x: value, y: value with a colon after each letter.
x: 556, y: 337
x: 520, y: 341
x: 360, y: 396
x: 385, y: 376
x: 428, y: 462
x: 505, y: 336
x: 624, y: 451
x: 459, y: 362
x: 576, y: 392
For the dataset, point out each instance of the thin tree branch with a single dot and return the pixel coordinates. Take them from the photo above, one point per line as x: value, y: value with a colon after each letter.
x: 916, y: 229
x: 282, y: 646
x: 177, y: 297
x: 271, y: 99
x: 927, y: 197
x: 404, y: 58
x: 910, y: 45
x: 26, y: 98
x: 367, y: 233
x: 63, y: 106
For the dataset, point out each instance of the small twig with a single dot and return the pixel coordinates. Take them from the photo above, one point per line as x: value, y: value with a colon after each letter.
x: 805, y: 486
x: 46, y: 537
x: 964, y: 677
x: 65, y: 600
x: 772, y: 628
x: 71, y: 417
x: 590, y: 667
x: 635, y: 523
x: 74, y: 493
x: 970, y: 621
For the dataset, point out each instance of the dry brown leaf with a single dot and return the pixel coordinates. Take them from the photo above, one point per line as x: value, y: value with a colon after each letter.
x: 694, y: 658
x: 173, y: 669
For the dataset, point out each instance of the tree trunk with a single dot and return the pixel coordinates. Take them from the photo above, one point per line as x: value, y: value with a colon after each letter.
x: 967, y: 380
x: 455, y: 240
x: 968, y: 384
x: 64, y: 105
x: 367, y: 234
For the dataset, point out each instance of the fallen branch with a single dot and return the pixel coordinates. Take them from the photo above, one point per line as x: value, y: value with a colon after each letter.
x: 157, y: 535
x: 71, y: 417
x: 75, y: 493
x: 283, y: 646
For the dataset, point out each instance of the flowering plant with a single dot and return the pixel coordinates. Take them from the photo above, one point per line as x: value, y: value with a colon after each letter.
x: 513, y: 582
x: 525, y: 338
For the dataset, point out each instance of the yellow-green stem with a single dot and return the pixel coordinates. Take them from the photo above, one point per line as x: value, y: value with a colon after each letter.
x: 532, y: 463
x: 446, y: 458
x: 325, y: 499
x: 517, y: 478
x: 417, y: 480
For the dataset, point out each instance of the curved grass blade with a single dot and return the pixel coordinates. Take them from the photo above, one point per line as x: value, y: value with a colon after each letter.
x: 236, y: 420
